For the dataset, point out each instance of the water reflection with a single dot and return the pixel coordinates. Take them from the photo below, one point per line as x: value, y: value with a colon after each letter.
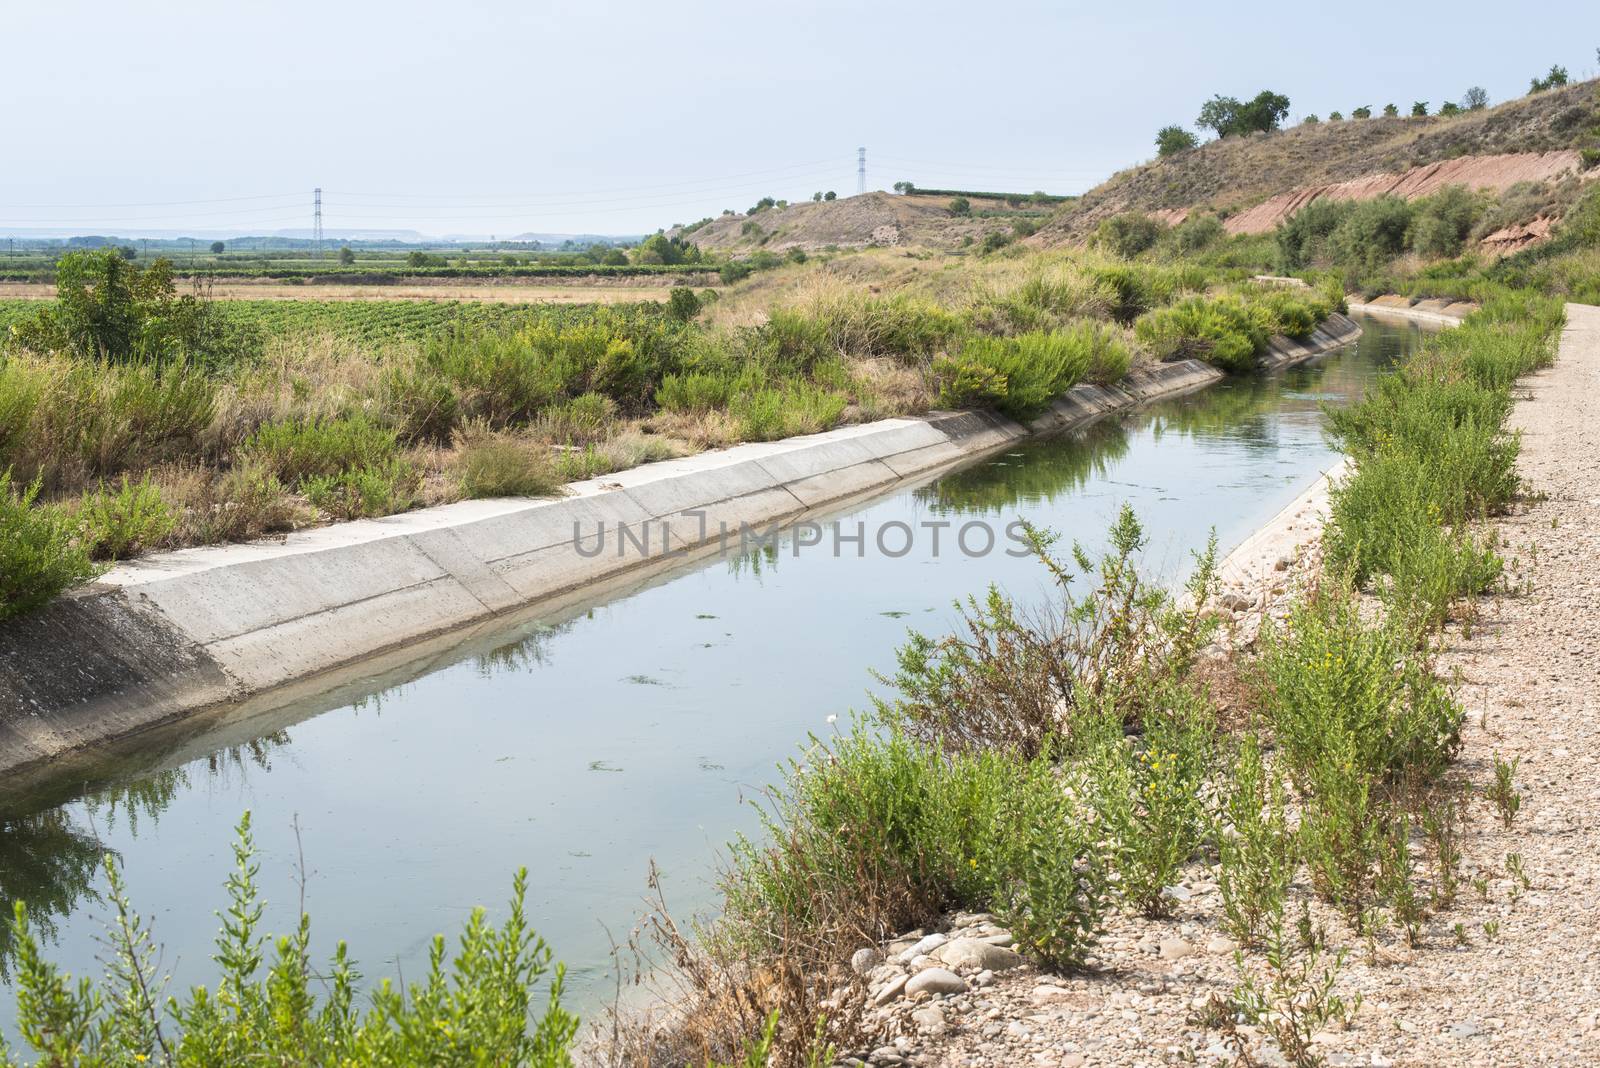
x: 50, y: 856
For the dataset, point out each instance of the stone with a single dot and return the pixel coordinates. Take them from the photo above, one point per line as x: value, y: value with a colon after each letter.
x: 930, y: 1019
x: 935, y: 981
x: 864, y: 960
x: 1221, y: 944
x: 885, y: 1055
x: 1046, y: 994
x: 1236, y: 602
x: 924, y: 946
x: 1464, y: 1029
x: 1175, y: 949
x: 891, y: 990
x: 972, y: 953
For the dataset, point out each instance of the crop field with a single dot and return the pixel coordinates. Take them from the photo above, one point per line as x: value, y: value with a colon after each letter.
x: 497, y: 290
x: 379, y: 320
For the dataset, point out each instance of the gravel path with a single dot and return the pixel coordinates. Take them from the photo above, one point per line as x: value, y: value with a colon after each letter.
x: 1521, y: 991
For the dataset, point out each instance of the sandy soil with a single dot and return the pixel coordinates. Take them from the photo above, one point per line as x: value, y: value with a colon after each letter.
x: 411, y: 289
x: 1521, y: 991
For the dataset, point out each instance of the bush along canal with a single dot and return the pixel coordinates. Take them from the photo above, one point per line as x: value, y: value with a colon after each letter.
x: 591, y: 739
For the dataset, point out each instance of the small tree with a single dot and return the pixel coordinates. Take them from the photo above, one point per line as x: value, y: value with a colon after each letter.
x: 1391, y: 110
x: 1449, y: 107
x: 1334, y: 116
x: 1220, y: 115
x: 1362, y: 112
x: 217, y: 247
x: 682, y: 304
x: 904, y: 187
x: 1228, y: 116
x: 347, y: 256
x: 830, y: 195
x: 1419, y: 109
x: 1554, y: 80
x: 817, y: 196
x: 1310, y: 120
x: 1170, y: 140
x: 1475, y: 99
x: 960, y: 206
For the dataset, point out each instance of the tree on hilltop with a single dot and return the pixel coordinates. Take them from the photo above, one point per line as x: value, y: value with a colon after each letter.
x: 1170, y: 140
x: 1228, y: 116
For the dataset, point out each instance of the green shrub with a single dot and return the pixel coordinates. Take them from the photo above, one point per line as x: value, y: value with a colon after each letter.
x: 1440, y: 224
x: 1223, y: 331
x: 473, y: 1007
x: 298, y: 450
x: 1334, y: 683
x: 1372, y: 233
x: 901, y: 326
x: 1129, y: 234
x: 1198, y: 232
x: 499, y: 465
x: 39, y: 555
x: 879, y: 833
x: 782, y: 411
x: 1148, y: 794
x: 1256, y: 856
x: 1036, y: 367
x: 791, y: 342
x: 962, y: 382
x: 682, y: 304
x: 582, y: 420
x: 120, y: 523
x: 423, y: 404
x: 1048, y: 882
x: 369, y: 489
x: 695, y: 392
x: 1105, y: 351
x: 1009, y: 681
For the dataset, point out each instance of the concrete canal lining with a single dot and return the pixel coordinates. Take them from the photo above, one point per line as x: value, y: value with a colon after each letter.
x: 161, y: 637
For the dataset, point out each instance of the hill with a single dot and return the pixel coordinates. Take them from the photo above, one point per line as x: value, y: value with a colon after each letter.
x: 877, y: 218
x: 1255, y: 181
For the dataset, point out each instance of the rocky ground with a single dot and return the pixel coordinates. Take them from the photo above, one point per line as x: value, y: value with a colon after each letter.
x: 1506, y: 976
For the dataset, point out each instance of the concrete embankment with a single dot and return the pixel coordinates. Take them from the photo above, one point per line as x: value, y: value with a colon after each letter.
x: 1433, y: 312
x: 165, y: 636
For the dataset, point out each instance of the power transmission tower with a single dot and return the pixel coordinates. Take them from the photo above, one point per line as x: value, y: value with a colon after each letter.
x: 861, y: 171
x: 316, y: 221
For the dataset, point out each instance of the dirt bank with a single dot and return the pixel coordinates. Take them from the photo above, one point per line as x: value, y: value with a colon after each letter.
x: 1492, y: 173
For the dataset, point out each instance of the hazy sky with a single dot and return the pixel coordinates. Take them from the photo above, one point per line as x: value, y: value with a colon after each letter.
x: 491, y: 116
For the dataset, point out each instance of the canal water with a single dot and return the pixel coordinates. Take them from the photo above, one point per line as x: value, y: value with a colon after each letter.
x: 589, y: 742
